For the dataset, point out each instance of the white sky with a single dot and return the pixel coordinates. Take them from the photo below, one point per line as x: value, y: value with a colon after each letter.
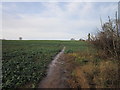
x: 53, y: 20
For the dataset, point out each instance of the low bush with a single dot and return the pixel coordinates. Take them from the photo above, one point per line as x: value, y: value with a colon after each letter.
x: 108, y: 75
x: 108, y: 39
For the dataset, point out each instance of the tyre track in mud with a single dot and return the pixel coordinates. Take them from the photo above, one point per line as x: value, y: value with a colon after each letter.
x: 55, y: 74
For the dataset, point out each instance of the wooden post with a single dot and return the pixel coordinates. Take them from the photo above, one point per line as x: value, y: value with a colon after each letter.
x: 117, y: 25
x: 119, y: 17
x: 89, y: 37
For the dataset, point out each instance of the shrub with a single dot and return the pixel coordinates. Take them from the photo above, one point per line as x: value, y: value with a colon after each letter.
x: 108, y: 75
x: 108, y: 39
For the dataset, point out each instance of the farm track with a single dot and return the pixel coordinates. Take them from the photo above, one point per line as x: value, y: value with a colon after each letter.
x: 55, y: 74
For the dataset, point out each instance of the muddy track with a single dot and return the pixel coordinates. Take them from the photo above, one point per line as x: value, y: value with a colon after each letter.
x: 55, y: 74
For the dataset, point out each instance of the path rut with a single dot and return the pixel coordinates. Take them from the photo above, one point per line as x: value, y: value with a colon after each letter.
x: 55, y: 74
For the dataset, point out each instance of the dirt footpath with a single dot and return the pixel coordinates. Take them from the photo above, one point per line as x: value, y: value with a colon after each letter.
x: 55, y: 74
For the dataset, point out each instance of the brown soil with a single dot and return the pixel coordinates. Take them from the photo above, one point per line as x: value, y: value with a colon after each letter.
x: 56, y: 73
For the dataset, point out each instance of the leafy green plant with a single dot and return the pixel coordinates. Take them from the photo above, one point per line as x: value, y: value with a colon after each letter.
x: 26, y: 62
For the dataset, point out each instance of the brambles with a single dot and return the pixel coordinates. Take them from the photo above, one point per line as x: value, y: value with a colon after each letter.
x: 108, y: 39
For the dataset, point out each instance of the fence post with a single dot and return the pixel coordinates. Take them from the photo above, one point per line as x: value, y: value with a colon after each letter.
x: 119, y: 17
x: 89, y: 37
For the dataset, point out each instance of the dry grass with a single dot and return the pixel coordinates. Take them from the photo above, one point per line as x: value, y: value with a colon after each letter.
x: 81, y: 78
x: 91, y: 75
x: 108, y: 76
x: 90, y: 70
x: 76, y: 77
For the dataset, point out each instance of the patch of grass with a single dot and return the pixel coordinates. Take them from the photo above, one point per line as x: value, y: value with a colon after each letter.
x: 93, y: 70
x: 76, y: 46
x: 81, y: 78
x: 108, y: 75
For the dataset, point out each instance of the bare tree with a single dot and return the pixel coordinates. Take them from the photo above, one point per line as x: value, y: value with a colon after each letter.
x: 107, y: 38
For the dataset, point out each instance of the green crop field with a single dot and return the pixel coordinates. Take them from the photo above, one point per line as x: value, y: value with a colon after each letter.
x: 25, y: 61
x: 76, y: 46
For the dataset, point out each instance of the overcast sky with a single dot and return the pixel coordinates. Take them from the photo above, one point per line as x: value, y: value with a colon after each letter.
x: 53, y: 20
